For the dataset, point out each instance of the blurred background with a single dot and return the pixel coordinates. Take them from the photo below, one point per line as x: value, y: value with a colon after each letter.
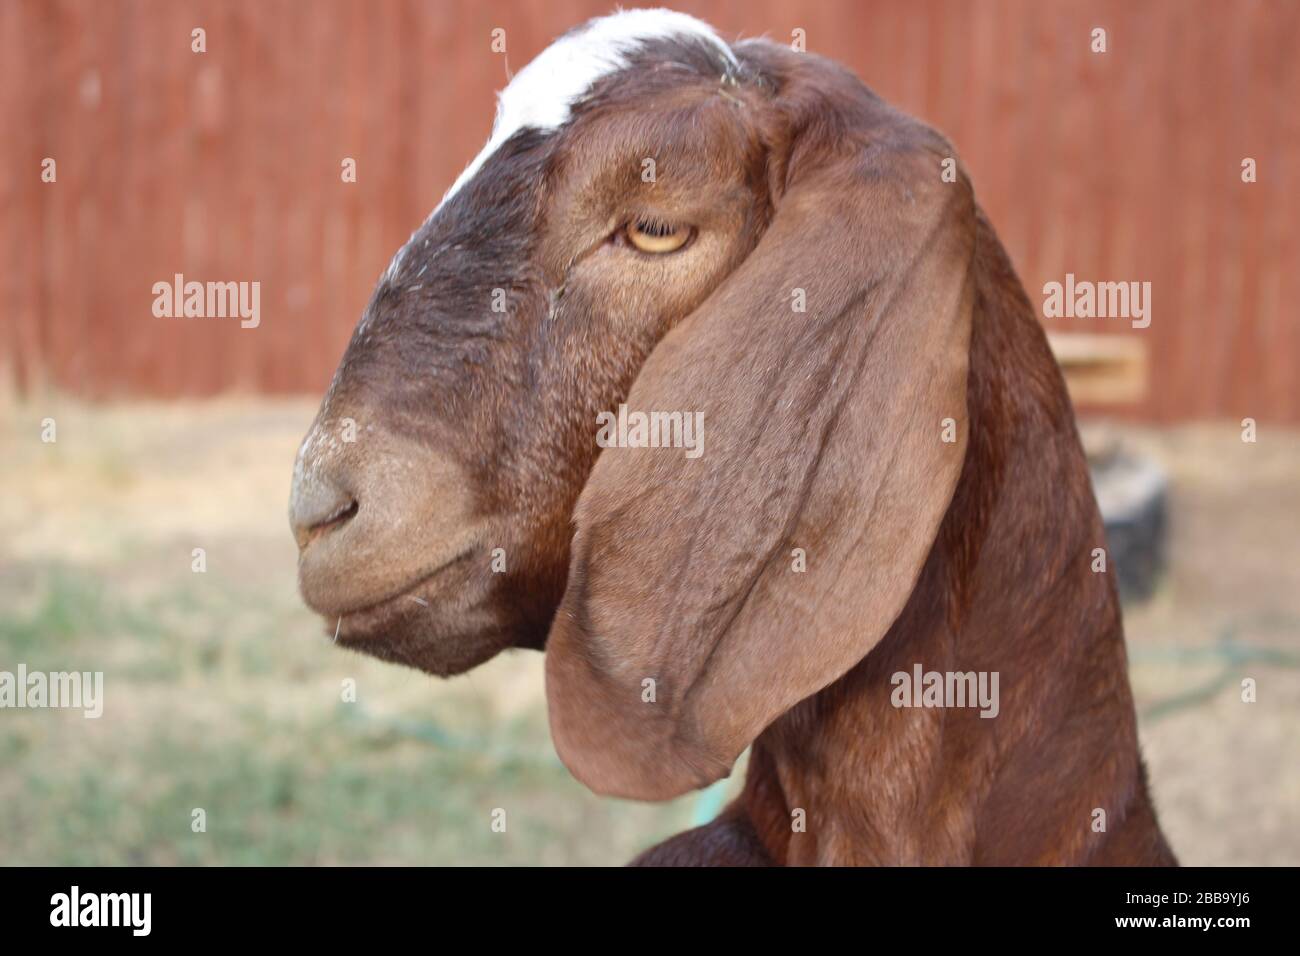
x: 223, y: 693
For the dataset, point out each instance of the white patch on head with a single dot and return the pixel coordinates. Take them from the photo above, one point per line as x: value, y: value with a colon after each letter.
x: 542, y: 94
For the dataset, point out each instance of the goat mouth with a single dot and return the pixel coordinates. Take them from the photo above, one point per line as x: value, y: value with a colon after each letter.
x: 440, y: 624
x: 411, y: 591
x: 361, y: 622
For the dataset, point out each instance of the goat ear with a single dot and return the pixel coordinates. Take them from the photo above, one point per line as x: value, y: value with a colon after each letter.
x: 686, y: 627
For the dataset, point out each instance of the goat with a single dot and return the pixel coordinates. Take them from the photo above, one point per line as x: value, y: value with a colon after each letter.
x: 892, y: 478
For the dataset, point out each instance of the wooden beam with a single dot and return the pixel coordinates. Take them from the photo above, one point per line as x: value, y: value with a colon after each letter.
x: 1102, y: 369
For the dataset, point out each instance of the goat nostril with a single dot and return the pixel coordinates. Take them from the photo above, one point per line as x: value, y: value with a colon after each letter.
x: 333, y: 522
x: 317, y: 507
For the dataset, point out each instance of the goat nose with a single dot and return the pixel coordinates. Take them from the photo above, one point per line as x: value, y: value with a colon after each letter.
x: 318, y: 506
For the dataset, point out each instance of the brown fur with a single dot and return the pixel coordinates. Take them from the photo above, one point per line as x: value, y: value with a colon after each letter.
x: 823, y: 433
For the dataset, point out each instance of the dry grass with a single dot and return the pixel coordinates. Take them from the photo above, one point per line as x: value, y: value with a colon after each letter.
x: 224, y: 693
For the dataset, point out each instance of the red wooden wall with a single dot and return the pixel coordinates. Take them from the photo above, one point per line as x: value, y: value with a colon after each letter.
x: 225, y: 166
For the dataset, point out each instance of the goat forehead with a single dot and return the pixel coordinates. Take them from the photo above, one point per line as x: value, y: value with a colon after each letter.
x: 542, y: 95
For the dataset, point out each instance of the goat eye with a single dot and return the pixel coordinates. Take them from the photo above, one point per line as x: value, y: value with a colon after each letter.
x: 656, y: 237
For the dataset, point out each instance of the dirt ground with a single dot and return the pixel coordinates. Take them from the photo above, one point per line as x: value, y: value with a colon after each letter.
x: 224, y: 695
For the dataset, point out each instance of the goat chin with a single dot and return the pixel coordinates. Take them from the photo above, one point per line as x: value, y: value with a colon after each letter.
x: 443, y: 641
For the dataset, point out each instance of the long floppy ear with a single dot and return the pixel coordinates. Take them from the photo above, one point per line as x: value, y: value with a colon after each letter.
x: 824, y: 431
